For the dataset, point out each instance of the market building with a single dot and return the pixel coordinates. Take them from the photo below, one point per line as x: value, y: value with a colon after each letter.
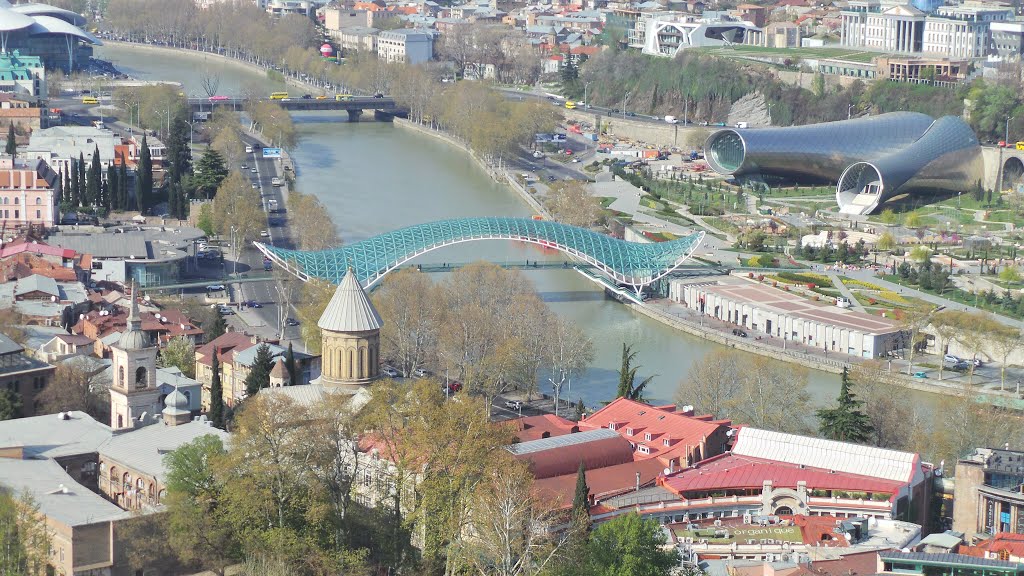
x: 988, y: 495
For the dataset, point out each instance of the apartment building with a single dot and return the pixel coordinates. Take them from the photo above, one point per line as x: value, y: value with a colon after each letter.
x: 409, y: 45
x: 26, y: 192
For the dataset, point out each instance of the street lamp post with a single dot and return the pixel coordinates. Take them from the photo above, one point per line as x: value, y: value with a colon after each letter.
x: 849, y: 112
x: 585, y: 86
x: 1006, y: 134
x: 624, y: 98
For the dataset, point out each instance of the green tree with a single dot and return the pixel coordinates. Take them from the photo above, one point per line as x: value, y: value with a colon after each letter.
x: 180, y: 352
x: 24, y: 537
x: 110, y: 199
x: 94, y: 179
x: 58, y: 189
x: 216, y: 395
x: 845, y: 422
x: 122, y: 184
x: 920, y: 254
x: 217, y: 327
x: 10, y: 404
x: 628, y: 386
x: 886, y: 241
x: 144, y: 175
x: 83, y: 183
x: 179, y: 153
x: 75, y: 184
x: 629, y: 545
x: 290, y: 367
x: 1010, y: 275
x: 12, y: 142
x: 259, y: 373
x: 205, y: 219
x: 581, y: 499
x: 889, y: 217
x: 210, y: 171
x: 196, y: 528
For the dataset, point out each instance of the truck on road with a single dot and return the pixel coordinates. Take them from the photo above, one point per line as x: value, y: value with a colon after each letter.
x: 272, y: 205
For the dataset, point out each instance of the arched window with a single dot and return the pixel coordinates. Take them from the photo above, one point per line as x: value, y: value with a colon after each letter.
x: 140, y: 377
x: 351, y: 362
x: 188, y: 396
x: 120, y: 377
x: 17, y: 200
x: 39, y: 200
x: 5, y: 200
x: 362, y: 362
x: 152, y: 493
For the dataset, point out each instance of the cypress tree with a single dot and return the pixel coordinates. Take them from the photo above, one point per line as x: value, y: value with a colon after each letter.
x: 95, y: 179
x: 12, y: 142
x: 259, y: 372
x: 58, y: 189
x: 76, y: 190
x: 289, y: 365
x: 122, y: 184
x: 111, y: 189
x: 83, y: 186
x: 144, y: 174
x: 581, y: 499
x: 216, y: 329
x: 216, y: 395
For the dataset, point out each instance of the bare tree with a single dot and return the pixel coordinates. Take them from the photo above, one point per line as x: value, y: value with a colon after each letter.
x: 74, y: 387
x: 713, y: 381
x: 569, y: 352
x: 210, y: 82
x: 1004, y: 341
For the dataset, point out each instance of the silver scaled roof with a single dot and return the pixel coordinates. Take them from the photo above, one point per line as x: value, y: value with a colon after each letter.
x: 350, y: 309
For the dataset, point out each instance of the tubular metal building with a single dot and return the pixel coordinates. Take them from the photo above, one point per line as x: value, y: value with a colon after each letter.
x: 872, y: 159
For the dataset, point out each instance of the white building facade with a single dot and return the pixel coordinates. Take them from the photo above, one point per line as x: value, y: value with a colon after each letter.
x: 666, y: 35
x: 408, y: 45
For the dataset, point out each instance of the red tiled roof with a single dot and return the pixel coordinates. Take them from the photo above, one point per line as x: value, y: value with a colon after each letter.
x: 732, y: 471
x: 1008, y: 541
x: 228, y: 343
x: 603, y: 482
x: 684, y: 433
x: 543, y: 426
x: 36, y: 248
x: 566, y: 459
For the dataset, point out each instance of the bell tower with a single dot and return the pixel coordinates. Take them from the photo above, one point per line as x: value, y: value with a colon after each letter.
x: 134, y: 389
x: 350, y: 338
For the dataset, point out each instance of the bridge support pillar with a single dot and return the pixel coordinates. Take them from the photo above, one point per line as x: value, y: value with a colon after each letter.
x: 353, y: 115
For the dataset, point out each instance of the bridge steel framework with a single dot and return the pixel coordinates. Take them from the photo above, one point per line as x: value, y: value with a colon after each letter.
x: 631, y: 263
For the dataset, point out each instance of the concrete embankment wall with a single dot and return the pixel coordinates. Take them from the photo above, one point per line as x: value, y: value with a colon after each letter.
x: 495, y: 174
x: 660, y: 134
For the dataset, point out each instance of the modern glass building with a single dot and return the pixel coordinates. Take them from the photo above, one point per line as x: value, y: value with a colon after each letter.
x: 872, y: 159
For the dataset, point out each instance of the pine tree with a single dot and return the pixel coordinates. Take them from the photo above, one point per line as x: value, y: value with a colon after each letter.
x: 210, y: 171
x: 845, y: 422
x: 83, y: 186
x: 76, y: 190
x: 259, y: 372
x: 290, y: 367
x: 580, y: 410
x: 628, y: 388
x: 12, y: 142
x: 216, y: 395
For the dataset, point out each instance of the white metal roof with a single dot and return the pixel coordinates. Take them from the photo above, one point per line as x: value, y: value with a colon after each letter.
x: 49, y: 436
x: 35, y: 9
x: 57, y: 494
x: 350, y: 309
x: 144, y: 449
x: 11, y: 20
x: 552, y: 442
x: 827, y: 454
x: 52, y: 25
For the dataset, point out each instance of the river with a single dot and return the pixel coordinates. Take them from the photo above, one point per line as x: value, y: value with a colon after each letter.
x: 374, y: 177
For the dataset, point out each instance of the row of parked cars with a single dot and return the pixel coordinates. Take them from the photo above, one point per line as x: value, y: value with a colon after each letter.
x: 957, y: 363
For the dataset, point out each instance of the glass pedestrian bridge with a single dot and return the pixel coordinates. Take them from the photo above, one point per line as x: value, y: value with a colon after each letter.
x: 631, y: 263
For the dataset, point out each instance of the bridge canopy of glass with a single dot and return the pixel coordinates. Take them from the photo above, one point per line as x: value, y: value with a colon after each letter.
x: 632, y: 263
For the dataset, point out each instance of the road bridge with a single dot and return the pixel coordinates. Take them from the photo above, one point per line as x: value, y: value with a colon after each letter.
x: 1004, y: 168
x: 631, y: 264
x: 356, y: 106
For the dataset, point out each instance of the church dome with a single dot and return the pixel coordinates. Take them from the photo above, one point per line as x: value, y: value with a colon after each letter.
x: 176, y: 401
x: 134, y: 339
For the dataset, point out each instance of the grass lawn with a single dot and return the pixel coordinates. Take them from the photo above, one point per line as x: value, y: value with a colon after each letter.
x: 852, y: 55
x: 743, y: 534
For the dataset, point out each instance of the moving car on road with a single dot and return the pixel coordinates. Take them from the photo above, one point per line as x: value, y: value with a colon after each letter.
x: 389, y: 371
x: 215, y: 288
x: 513, y: 405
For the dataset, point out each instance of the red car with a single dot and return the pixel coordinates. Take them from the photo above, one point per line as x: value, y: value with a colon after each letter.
x: 454, y: 386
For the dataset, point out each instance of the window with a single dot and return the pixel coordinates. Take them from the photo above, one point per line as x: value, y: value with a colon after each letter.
x: 140, y: 377
x: 611, y: 425
x: 39, y: 214
x: 644, y: 449
x: 17, y: 214
x: 17, y: 200
x: 666, y: 442
x: 629, y: 431
x: 647, y: 436
x: 39, y: 200
x: 367, y: 478
x: 120, y: 377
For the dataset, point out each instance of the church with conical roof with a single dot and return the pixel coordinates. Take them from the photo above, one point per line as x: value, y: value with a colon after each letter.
x: 349, y: 346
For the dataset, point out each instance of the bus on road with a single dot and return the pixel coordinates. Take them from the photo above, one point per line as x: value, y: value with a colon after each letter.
x: 90, y: 100
x: 278, y: 95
